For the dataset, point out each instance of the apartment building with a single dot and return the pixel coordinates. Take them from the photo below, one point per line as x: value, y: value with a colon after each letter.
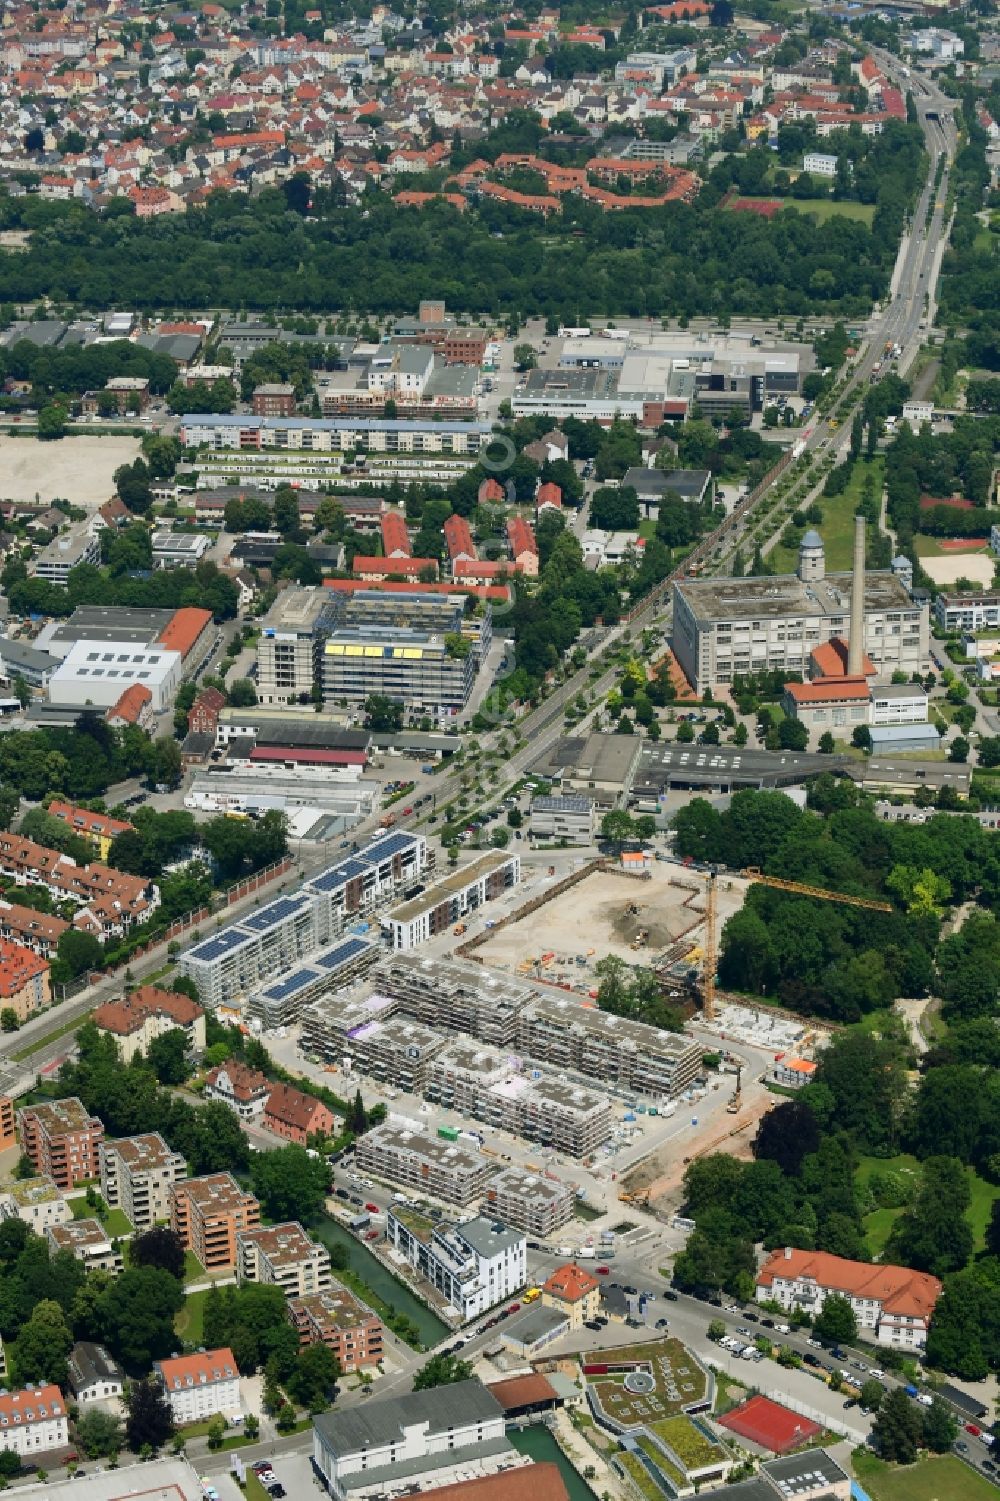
x: 457, y: 994
x: 424, y: 671
x: 62, y: 1140
x: 8, y: 1124
x: 336, y: 1319
x: 24, y: 980
x: 451, y: 899
x: 572, y: 1291
x: 368, y: 1034
x: 89, y: 1242
x: 138, y: 1174
x: 37, y: 931
x: 893, y: 1304
x: 299, y: 936
x: 209, y: 1214
x: 283, y: 1256
x: 244, y: 1090
x: 403, y: 1155
x: 274, y: 400
x: 113, y: 899
x: 494, y: 1087
x: 145, y: 1014
x: 297, y: 1116
x: 472, y: 1266
x: 37, y: 1201
x: 64, y: 553
x: 415, y: 1442
x: 608, y: 1049
x: 219, y: 432
x: 200, y: 1386
x: 33, y: 1421
x: 289, y: 645
x: 978, y: 610
x: 99, y: 829
x: 535, y: 1203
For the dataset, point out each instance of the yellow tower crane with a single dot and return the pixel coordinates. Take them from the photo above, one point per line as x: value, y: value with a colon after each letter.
x: 755, y: 874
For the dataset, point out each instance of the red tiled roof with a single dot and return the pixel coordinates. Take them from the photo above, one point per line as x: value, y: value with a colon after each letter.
x: 899, y: 1289
x: 17, y: 966
x: 204, y: 1368
x: 831, y: 657
x: 395, y: 536
x: 182, y: 631
x: 131, y: 704
x: 293, y: 1108
x: 570, y: 1283
x: 522, y: 1391
x: 541, y: 1482
x: 828, y: 690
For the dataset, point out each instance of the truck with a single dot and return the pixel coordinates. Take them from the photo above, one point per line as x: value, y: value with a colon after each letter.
x: 359, y: 1222
x: 587, y: 1253
x: 448, y: 1133
x: 427, y: 771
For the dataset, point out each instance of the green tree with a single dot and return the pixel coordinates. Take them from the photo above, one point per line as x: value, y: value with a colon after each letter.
x: 940, y: 1427
x: 43, y: 1344
x: 617, y: 826
x: 216, y: 1431
x: 78, y: 952
x: 137, y: 1317
x: 242, y: 693
x: 158, y: 1247
x: 149, y: 1420
x: 98, y: 1433
x: 313, y: 1382
x: 8, y: 1019
x: 289, y: 1183
x: 933, y: 1234
x: 872, y: 1393
x: 441, y: 1370
x: 898, y: 1428
x: 835, y: 1321
x: 168, y: 1056
x: 52, y: 422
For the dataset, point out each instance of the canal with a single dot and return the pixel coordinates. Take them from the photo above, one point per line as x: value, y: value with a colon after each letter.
x: 371, y: 1271
x: 540, y: 1445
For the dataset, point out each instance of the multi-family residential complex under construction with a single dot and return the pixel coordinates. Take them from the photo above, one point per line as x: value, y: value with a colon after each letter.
x: 529, y: 1063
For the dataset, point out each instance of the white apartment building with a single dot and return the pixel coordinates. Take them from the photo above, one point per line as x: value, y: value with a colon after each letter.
x: 421, y: 1440
x: 978, y: 610
x: 898, y: 703
x: 528, y: 1201
x: 892, y: 1303
x: 449, y: 900
x: 332, y: 434
x: 137, y: 1174
x: 819, y: 164
x: 33, y: 1420
x: 199, y: 1386
x: 89, y: 1242
x: 36, y: 1201
x: 57, y: 561
x: 284, y: 1256
x: 473, y: 1265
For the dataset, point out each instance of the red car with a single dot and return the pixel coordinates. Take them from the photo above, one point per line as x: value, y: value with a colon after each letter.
x: 372, y: 1234
x: 602, y: 1271
x: 971, y: 1428
x: 372, y: 1208
x: 514, y: 1308
x: 407, y: 812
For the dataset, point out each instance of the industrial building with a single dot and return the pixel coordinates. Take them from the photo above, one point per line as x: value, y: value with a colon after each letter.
x: 96, y: 676
x: 562, y: 820
x: 451, y: 899
x: 473, y: 1265
x: 723, y: 628
x: 404, y: 1156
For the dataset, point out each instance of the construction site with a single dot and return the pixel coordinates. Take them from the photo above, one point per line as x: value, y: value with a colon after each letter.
x: 655, y: 918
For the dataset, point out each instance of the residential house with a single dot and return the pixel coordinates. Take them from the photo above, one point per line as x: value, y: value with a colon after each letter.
x: 297, y: 1116
x: 574, y: 1292
x: 201, y: 1386
x: 337, y: 1319
x: 244, y: 1090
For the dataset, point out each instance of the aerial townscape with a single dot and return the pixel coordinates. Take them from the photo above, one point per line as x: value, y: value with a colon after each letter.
x: 500, y: 750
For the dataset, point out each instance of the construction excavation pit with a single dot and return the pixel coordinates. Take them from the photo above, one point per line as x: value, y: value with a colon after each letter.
x: 655, y: 918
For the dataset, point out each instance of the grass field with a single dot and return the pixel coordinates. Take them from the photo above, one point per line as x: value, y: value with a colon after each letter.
x: 878, y: 1225
x: 837, y: 528
x: 941, y: 1477
x: 821, y: 208
x: 116, y: 1223
x: 190, y: 1320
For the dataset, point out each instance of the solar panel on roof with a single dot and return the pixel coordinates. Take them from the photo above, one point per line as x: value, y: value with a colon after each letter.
x: 291, y: 983
x: 392, y: 844
x: 222, y: 943
x: 275, y: 912
x: 342, y: 954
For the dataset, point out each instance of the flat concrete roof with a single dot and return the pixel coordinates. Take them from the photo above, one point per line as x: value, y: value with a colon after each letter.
x: 743, y: 599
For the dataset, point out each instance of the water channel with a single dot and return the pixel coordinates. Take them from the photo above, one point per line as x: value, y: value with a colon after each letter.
x: 374, y: 1275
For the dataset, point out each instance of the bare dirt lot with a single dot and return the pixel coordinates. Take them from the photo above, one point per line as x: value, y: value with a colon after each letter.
x: 606, y: 913
x: 978, y: 567
x: 76, y: 469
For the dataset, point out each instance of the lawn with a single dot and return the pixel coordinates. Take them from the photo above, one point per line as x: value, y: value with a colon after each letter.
x: 941, y: 1477
x: 837, y: 526
x: 115, y: 1221
x: 647, y: 527
x: 193, y: 1269
x: 878, y: 1224
x: 190, y: 1320
x: 820, y: 208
